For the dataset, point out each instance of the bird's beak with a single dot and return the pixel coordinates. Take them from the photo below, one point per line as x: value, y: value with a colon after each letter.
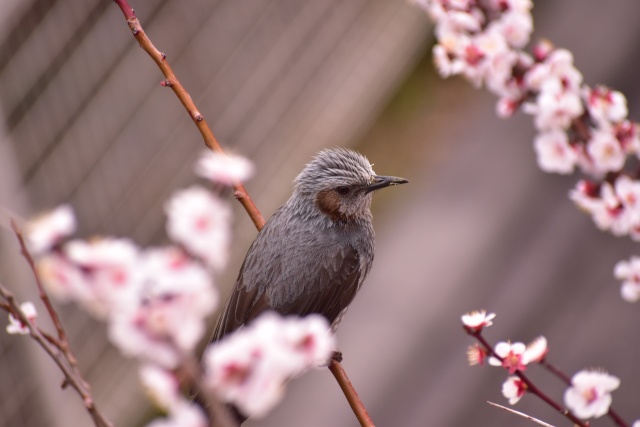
x: 384, y: 181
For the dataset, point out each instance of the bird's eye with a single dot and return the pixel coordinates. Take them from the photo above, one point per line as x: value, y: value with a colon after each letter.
x: 343, y: 190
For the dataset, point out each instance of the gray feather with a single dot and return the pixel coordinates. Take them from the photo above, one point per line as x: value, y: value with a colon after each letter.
x: 304, y: 261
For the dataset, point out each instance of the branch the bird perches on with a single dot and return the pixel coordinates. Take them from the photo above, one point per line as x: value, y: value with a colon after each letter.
x: 241, y: 194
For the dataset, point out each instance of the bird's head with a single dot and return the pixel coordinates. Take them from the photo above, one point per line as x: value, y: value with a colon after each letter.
x: 340, y: 182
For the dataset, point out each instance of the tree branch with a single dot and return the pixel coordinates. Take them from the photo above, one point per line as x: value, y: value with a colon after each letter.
x: 172, y: 82
x: 241, y: 194
x: 531, y: 388
x: 63, y: 342
x: 71, y: 374
x: 350, y: 393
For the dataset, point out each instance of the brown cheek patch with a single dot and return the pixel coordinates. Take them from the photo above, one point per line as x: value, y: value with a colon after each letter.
x: 329, y: 204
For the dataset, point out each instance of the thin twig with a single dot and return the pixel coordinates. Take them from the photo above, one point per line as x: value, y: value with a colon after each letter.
x: 555, y: 371
x: 63, y: 341
x: 240, y: 194
x: 43, y: 295
x: 72, y: 376
x: 172, y: 82
x: 521, y: 414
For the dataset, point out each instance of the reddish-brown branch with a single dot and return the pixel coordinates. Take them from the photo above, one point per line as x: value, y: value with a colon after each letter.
x: 241, y: 194
x: 72, y: 376
x: 62, y: 335
x: 43, y: 295
x: 350, y: 393
x: 556, y: 371
x: 198, y: 119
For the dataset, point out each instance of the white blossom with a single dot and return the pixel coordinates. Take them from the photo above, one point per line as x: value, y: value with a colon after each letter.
x: 166, y: 316
x: 512, y: 355
x: 477, y: 319
x: 225, y: 169
x: 605, y: 106
x: 200, y: 222
x: 250, y: 366
x: 590, y: 393
x: 629, y: 273
x: 161, y: 385
x: 536, y: 350
x: 515, y: 26
x: 554, y: 153
x: 102, y: 272
x: 605, y: 151
x: 16, y: 326
x: 513, y: 389
x: 186, y: 414
x: 47, y: 230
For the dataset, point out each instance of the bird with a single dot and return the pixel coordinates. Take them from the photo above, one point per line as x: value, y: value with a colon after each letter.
x: 316, y: 250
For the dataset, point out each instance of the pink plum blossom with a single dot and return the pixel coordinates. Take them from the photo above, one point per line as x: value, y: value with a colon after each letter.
x: 63, y: 279
x: 200, y: 222
x: 16, y: 326
x: 165, y: 317
x: 225, y: 169
x: 515, y: 26
x: 506, y: 106
x: 555, y: 106
x: 47, y: 230
x: 186, y: 414
x: 554, y: 153
x: 604, y: 207
x: 590, y: 393
x: 605, y: 105
x: 605, y: 151
x: 249, y: 367
x: 108, y: 270
x: 477, y: 320
x: 161, y: 385
x: 626, y: 133
x: 512, y: 355
x: 513, y: 389
x: 629, y: 273
x: 476, y: 355
x: 556, y: 70
x: 536, y: 350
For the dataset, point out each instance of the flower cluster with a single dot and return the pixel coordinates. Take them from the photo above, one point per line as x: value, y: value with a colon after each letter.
x: 480, y: 39
x: 589, y: 391
x: 614, y: 206
x: 515, y: 357
x: 579, y: 127
x: 272, y: 350
x: 156, y: 301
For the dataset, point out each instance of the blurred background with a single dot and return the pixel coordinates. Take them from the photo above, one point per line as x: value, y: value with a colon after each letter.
x: 84, y: 120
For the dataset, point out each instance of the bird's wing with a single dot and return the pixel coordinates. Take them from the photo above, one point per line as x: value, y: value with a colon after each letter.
x: 242, y: 306
x: 328, y: 283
